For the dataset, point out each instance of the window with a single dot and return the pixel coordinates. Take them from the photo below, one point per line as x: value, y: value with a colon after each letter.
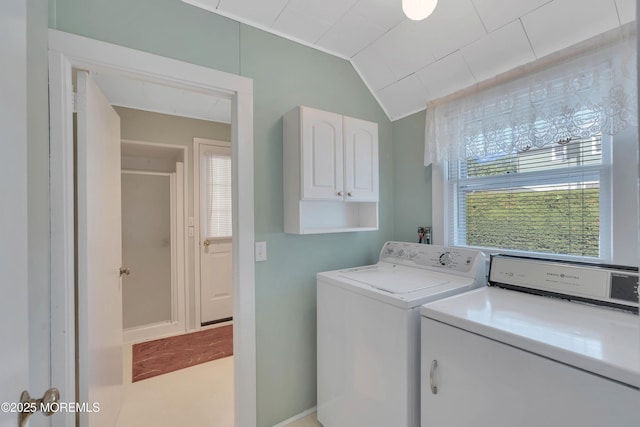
x: 546, y: 200
x: 218, y: 195
x: 545, y: 159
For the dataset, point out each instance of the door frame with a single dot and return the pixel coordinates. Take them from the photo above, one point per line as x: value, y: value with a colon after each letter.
x: 68, y: 52
x: 197, y: 196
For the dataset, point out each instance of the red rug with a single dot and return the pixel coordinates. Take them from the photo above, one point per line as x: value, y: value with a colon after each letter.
x: 153, y: 358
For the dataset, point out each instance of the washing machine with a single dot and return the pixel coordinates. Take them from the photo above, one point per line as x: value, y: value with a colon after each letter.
x: 368, y: 333
x: 547, y: 343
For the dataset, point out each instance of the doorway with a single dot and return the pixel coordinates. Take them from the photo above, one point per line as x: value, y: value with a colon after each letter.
x: 166, y: 350
x: 68, y: 52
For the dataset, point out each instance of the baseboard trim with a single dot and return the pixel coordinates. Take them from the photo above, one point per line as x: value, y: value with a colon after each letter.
x: 300, y: 416
x: 215, y: 322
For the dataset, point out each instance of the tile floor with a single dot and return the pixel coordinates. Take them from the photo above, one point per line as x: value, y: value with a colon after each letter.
x: 200, y: 395
x: 197, y: 396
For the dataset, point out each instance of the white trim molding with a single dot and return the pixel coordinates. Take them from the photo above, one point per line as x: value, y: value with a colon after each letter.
x: 295, y: 418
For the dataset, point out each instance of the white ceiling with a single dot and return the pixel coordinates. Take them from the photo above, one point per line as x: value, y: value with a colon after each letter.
x: 406, y: 63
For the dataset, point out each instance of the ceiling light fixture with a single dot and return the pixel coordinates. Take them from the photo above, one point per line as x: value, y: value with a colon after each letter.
x: 418, y: 10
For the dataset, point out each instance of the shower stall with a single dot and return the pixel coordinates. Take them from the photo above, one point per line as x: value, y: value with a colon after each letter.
x: 153, y: 294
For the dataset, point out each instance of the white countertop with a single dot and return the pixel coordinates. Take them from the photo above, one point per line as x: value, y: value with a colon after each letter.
x: 599, y: 340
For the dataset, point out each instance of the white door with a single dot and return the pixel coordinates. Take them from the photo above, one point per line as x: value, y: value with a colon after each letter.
x: 99, y: 254
x: 14, y: 307
x: 216, y: 262
x: 322, y: 155
x: 360, y: 160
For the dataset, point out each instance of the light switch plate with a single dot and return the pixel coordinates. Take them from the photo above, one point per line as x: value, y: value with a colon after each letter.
x: 261, y: 251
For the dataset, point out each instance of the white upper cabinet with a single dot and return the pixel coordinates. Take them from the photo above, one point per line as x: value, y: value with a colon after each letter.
x: 330, y: 172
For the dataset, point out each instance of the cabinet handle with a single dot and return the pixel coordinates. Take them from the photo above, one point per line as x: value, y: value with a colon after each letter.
x: 432, y: 382
x: 349, y: 194
x: 340, y: 193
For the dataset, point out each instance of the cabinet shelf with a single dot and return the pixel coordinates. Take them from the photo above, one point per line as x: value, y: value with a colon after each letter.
x: 335, y: 230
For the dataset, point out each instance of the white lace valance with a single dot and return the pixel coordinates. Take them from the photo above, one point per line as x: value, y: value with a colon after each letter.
x: 582, y: 92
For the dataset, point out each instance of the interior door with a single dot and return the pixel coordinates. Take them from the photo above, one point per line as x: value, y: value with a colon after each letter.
x: 99, y: 255
x: 216, y: 266
x: 14, y: 305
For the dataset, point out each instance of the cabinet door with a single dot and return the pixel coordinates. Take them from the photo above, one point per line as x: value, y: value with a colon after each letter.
x: 485, y: 383
x: 322, y: 155
x: 361, y: 160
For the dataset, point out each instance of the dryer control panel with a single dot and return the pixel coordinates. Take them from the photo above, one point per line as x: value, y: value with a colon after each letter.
x: 461, y: 261
x: 608, y: 285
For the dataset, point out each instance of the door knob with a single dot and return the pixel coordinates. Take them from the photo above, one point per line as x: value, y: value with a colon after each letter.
x: 48, y: 404
x: 206, y: 243
x: 124, y: 271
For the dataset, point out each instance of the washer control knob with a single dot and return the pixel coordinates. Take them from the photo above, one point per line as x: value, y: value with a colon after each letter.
x: 445, y: 258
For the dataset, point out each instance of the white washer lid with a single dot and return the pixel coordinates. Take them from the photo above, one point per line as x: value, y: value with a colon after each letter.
x: 395, y: 281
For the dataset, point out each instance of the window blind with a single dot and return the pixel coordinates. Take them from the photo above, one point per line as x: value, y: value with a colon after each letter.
x: 545, y: 200
x: 218, y: 195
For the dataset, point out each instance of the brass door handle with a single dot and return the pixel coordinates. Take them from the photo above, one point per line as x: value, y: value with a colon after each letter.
x: 48, y: 404
x: 206, y: 243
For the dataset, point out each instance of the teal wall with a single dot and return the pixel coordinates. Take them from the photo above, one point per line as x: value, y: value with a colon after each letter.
x: 165, y: 27
x: 285, y: 75
x: 411, y: 179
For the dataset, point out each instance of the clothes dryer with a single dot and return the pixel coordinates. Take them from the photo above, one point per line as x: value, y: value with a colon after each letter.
x: 547, y: 343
